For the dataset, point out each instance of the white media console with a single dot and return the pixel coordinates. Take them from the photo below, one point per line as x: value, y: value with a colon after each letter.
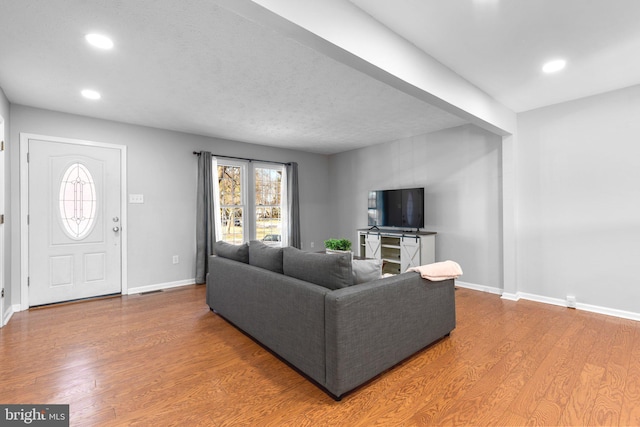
x: 397, y: 249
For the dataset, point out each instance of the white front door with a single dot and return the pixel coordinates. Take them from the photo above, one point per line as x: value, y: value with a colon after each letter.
x: 74, y: 221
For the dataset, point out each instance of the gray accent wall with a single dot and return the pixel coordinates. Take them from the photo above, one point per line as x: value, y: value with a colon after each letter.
x: 578, y: 204
x: 460, y: 170
x: 161, y: 166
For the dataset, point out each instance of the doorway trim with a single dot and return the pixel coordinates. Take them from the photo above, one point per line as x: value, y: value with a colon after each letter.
x: 5, y: 308
x: 24, y: 207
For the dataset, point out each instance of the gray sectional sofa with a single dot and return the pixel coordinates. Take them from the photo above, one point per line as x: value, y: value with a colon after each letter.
x: 306, y: 308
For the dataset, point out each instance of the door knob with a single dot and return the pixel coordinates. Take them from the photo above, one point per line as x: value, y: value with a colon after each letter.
x: 116, y: 229
x: 116, y: 219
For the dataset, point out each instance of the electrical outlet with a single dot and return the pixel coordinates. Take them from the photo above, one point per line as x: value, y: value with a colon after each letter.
x: 571, y: 301
x: 312, y: 244
x: 136, y: 198
x: 176, y: 259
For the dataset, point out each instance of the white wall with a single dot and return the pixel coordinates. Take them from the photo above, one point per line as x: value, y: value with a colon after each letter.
x: 161, y: 166
x: 579, y: 200
x: 460, y: 170
x: 5, y: 112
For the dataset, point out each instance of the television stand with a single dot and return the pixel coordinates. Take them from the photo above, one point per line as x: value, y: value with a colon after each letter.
x: 400, y: 249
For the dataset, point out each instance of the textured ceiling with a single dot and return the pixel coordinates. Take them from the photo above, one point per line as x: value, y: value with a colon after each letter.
x: 195, y: 67
x: 500, y: 45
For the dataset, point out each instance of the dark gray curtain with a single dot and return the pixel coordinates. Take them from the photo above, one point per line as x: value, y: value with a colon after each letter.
x: 205, y: 222
x: 294, y: 205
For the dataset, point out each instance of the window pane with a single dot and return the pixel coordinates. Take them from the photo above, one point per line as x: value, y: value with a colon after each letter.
x: 264, y: 221
x: 268, y: 183
x: 232, y: 226
x: 230, y: 181
x: 231, y: 207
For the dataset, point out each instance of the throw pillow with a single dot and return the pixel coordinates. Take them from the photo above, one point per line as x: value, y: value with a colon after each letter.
x: 234, y: 252
x: 265, y: 256
x: 333, y: 271
x: 366, y: 270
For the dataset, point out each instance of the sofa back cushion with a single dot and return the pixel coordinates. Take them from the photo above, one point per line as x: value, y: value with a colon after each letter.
x: 333, y: 271
x: 265, y: 256
x: 234, y: 252
x: 366, y: 270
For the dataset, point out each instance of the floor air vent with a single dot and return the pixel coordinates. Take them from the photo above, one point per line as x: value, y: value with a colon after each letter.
x: 151, y: 292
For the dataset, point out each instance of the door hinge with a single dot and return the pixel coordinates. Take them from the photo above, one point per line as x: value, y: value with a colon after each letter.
x: 28, y: 281
x: 27, y: 157
x: 2, y: 146
x: 27, y: 219
x: 2, y: 294
x: 1, y: 218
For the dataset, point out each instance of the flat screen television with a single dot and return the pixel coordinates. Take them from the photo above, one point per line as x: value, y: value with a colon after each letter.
x: 396, y: 208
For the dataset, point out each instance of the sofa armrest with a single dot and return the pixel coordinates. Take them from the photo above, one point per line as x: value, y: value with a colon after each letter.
x: 374, y: 326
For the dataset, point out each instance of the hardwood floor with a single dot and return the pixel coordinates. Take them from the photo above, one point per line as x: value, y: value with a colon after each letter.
x: 165, y: 359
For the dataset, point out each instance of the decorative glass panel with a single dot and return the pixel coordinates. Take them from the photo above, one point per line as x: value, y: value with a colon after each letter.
x: 77, y: 201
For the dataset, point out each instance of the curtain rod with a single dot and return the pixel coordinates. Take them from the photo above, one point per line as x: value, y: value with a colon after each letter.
x: 197, y: 153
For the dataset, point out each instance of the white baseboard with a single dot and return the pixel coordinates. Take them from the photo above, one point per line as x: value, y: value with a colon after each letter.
x: 609, y: 311
x: 509, y: 296
x: 562, y: 303
x: 540, y: 298
x: 160, y: 286
x: 481, y: 288
x: 9, y: 312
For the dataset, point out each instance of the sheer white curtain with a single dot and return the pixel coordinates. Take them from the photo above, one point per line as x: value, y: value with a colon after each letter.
x: 216, y: 199
x: 284, y: 207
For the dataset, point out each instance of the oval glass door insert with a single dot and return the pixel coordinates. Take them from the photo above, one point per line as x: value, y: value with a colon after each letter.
x: 77, y: 201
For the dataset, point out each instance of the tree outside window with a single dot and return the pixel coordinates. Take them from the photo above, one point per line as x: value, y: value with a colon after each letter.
x: 258, y: 218
x: 268, y: 194
x: 231, y: 203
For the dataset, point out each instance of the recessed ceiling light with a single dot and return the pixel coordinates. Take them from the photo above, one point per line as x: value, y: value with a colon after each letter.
x: 553, y: 66
x: 90, y: 94
x: 99, y: 41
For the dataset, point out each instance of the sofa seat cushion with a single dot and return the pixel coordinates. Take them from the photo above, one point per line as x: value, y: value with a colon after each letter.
x: 333, y: 271
x: 265, y: 256
x: 235, y: 252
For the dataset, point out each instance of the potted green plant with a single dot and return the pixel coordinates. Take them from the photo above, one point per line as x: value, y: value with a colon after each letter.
x: 337, y: 246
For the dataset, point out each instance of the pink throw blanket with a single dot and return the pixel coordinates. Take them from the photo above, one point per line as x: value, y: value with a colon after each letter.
x: 438, y: 270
